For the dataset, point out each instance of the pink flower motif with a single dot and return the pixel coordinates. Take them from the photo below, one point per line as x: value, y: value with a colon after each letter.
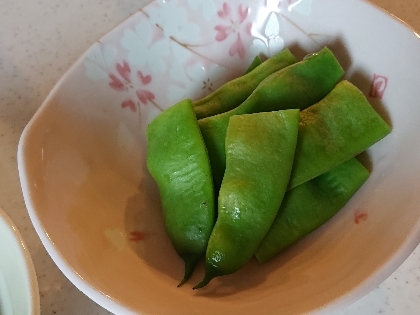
x: 123, y: 81
x: 116, y: 83
x: 225, y: 12
x: 144, y: 79
x: 237, y: 47
x: 222, y: 32
x: 130, y: 104
x: 235, y: 25
x: 124, y: 70
x: 378, y: 86
x: 145, y: 96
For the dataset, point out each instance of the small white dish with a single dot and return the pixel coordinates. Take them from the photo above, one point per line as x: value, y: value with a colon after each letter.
x: 18, y: 283
x: 97, y: 211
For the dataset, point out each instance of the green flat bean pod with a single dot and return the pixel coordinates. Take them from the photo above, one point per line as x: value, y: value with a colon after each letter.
x: 297, y: 86
x: 255, y: 63
x: 234, y: 92
x: 308, y: 206
x: 178, y: 161
x: 259, y: 156
x: 337, y: 128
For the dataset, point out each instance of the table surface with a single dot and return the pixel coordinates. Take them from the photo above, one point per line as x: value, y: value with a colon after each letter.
x: 39, y: 41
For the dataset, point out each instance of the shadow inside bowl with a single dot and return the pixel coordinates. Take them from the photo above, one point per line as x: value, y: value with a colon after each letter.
x: 145, y: 227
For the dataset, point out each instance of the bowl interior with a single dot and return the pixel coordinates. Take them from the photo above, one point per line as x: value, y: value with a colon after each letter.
x: 97, y: 209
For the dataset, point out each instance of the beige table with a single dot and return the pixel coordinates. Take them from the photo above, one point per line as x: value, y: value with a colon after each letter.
x: 39, y: 41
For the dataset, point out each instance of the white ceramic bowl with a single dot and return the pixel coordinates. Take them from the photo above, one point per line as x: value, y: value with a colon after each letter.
x: 18, y: 283
x: 96, y: 208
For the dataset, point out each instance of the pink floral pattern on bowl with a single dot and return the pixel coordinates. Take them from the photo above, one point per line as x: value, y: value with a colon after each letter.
x: 191, y: 58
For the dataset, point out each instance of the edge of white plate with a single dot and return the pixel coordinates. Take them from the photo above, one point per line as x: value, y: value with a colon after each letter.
x: 30, y: 274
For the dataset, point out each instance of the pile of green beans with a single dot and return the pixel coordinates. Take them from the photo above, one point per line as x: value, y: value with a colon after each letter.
x: 262, y: 162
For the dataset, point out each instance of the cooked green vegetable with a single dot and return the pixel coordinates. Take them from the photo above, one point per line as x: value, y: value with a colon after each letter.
x: 234, y: 92
x: 308, y: 206
x: 282, y: 155
x: 297, y: 86
x: 255, y: 63
x: 259, y: 156
x: 178, y: 161
x: 339, y: 127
